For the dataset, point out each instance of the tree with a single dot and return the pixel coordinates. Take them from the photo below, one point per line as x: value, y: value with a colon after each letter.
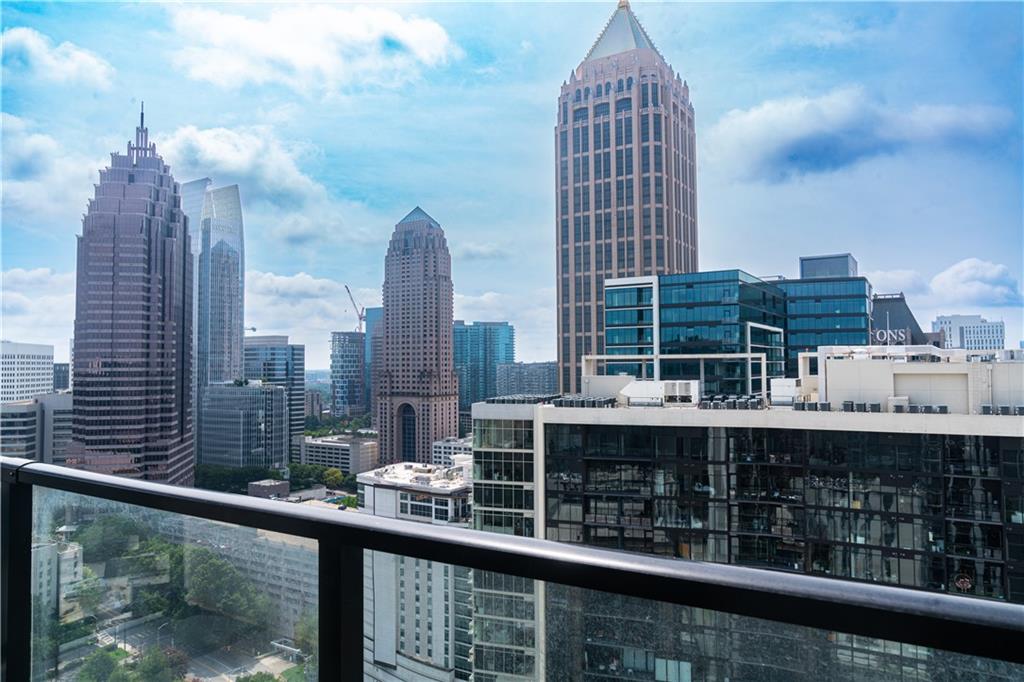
x: 89, y: 592
x: 154, y: 667
x: 108, y: 537
x: 257, y: 677
x: 98, y: 667
x: 307, y: 632
x: 333, y: 478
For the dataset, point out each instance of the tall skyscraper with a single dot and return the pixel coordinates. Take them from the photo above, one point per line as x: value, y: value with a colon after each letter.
x: 272, y: 360
x: 26, y: 370
x: 133, y: 323
x: 626, y: 205
x: 479, y: 348
x: 221, y: 297
x: 371, y: 326
x: 418, y: 400
x: 347, y: 369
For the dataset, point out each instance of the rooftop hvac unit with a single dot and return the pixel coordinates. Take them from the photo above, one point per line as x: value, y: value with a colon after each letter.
x: 860, y: 407
x: 875, y: 407
x: 1019, y: 410
x: 799, y: 406
x: 900, y: 401
x: 704, y: 404
x: 730, y: 404
x: 927, y: 409
x: 1004, y: 410
x: 986, y: 409
x: 812, y: 407
x: 914, y: 409
x: 824, y: 407
x: 743, y: 404
x: 847, y: 406
x: 899, y: 408
x: 942, y: 409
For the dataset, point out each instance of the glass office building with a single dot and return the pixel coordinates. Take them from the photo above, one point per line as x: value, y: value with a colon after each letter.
x: 244, y: 425
x: 825, y: 311
x: 479, y: 347
x: 697, y: 314
x: 272, y: 360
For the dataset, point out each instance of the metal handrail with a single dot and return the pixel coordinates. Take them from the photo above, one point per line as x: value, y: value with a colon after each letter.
x: 965, y: 625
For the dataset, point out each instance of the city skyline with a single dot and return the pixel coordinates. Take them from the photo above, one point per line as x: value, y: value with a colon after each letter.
x: 919, y: 146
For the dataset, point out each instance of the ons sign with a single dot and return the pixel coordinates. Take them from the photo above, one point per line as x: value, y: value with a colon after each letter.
x: 890, y: 337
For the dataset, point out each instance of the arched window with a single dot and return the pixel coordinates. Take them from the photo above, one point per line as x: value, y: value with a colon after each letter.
x: 598, y: 90
x: 608, y: 88
x: 407, y: 426
x: 586, y: 94
x: 629, y: 83
x: 577, y: 95
x: 618, y: 87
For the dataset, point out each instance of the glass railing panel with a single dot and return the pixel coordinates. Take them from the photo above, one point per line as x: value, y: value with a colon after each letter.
x: 424, y: 624
x: 126, y: 593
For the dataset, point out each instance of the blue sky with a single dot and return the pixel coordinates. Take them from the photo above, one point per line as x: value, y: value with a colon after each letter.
x: 890, y: 131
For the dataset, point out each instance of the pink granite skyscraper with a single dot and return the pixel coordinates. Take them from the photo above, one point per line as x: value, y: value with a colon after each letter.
x: 417, y: 388
x: 133, y: 324
x: 625, y: 174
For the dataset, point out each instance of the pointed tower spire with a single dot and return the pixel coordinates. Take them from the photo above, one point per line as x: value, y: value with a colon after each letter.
x: 142, y: 114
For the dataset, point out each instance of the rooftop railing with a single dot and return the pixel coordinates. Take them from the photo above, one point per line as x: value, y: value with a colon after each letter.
x: 126, y: 593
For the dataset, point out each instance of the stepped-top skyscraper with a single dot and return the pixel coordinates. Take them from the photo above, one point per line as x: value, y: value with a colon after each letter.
x: 625, y: 173
x: 418, y: 393
x: 133, y: 323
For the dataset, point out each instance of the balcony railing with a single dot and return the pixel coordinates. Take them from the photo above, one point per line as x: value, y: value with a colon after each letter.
x: 49, y: 504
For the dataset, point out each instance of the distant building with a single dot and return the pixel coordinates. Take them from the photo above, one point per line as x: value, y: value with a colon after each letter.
x: 348, y: 454
x: 829, y: 305
x: 268, y: 488
x: 133, y: 408
x: 272, y: 360
x: 679, y: 327
x: 444, y: 451
x: 625, y: 173
x: 418, y: 393
x: 61, y: 376
x: 418, y: 613
x: 314, y: 406
x: 26, y: 370
x: 39, y: 428
x: 893, y: 324
x: 348, y: 371
x: 374, y: 318
x: 244, y: 425
x: 536, y: 378
x: 479, y: 347
x: 970, y: 332
x: 839, y: 265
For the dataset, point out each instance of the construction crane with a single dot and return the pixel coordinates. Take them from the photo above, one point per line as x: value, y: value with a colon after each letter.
x: 360, y: 311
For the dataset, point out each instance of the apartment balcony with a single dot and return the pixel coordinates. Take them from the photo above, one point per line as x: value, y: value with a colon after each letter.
x: 112, y: 578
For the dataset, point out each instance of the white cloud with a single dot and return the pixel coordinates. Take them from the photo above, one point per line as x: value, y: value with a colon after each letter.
x: 309, y: 48
x: 33, y: 53
x: 827, y: 31
x: 38, y: 306
x: 790, y: 136
x: 43, y: 183
x: 895, y: 281
x: 976, y: 282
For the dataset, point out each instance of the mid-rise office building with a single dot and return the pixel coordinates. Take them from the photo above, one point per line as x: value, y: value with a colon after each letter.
x: 348, y: 371
x: 828, y: 305
x: 372, y: 323
x: 724, y: 328
x: 314, y: 405
x: 348, y: 454
x: 417, y: 614
x: 897, y: 475
x: 528, y: 378
x: 245, y: 424
x: 133, y: 409
x: 479, y: 348
x: 445, y: 451
x: 26, y: 370
x: 971, y: 332
x: 19, y: 429
x: 893, y: 324
x: 61, y: 376
x: 625, y: 172
x: 272, y: 360
x: 418, y: 393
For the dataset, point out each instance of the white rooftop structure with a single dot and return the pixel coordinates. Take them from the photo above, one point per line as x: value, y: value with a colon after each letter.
x: 419, y: 477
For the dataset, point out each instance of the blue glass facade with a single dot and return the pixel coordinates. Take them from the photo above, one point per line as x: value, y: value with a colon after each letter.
x: 479, y: 348
x: 726, y: 311
x: 825, y: 311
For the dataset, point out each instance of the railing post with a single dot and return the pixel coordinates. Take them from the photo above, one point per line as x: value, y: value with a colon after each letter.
x: 341, y: 611
x: 15, y: 577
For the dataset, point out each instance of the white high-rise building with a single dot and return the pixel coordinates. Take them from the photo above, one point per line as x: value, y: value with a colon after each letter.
x: 26, y: 370
x: 417, y: 613
x: 970, y: 332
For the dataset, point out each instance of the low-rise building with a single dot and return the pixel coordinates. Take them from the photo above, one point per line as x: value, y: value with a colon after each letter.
x: 269, y: 488
x: 349, y: 454
x: 38, y: 428
x: 534, y: 378
x: 417, y: 614
x: 970, y: 332
x: 442, y: 451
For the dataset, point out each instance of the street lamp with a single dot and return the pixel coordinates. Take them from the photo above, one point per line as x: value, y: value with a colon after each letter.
x: 158, y: 634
